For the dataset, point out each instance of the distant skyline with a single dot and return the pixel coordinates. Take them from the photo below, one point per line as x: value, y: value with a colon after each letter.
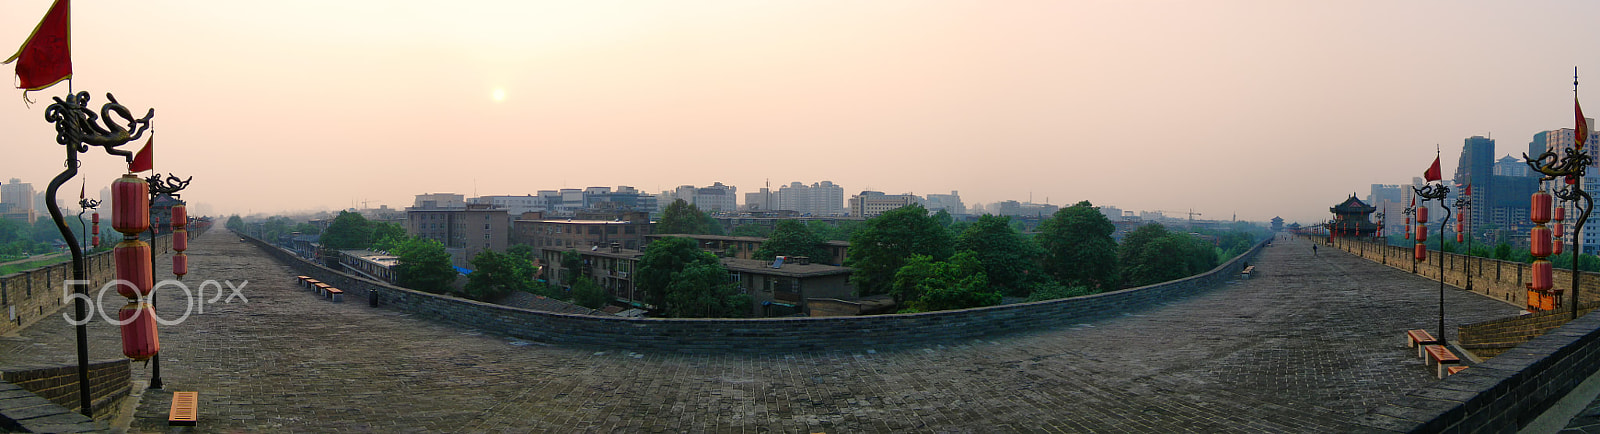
x: 1256, y: 108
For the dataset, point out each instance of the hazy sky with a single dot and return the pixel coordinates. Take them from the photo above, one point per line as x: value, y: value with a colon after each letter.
x: 1259, y: 108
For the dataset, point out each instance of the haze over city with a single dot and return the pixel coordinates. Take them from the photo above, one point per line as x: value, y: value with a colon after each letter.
x: 1255, y: 108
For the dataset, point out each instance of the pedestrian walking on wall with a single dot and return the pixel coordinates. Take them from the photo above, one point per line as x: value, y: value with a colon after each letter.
x: 1313, y: 250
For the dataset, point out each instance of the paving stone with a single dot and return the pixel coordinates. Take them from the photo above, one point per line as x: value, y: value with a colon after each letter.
x: 1311, y: 344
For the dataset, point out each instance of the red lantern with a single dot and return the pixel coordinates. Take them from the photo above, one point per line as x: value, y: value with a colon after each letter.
x: 133, y: 265
x: 1558, y: 229
x: 1422, y: 215
x: 1540, y: 210
x: 180, y: 216
x: 1555, y: 248
x: 180, y: 264
x: 1561, y: 213
x: 95, y: 217
x: 97, y: 240
x: 1539, y: 241
x: 180, y: 240
x: 1421, y: 253
x: 1543, y: 276
x: 139, y: 339
x: 130, y: 205
x: 1461, y: 238
x: 1422, y: 233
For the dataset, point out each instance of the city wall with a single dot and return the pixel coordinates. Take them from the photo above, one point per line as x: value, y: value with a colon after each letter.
x: 1501, y: 280
x: 109, y: 382
x: 761, y: 335
x: 31, y: 295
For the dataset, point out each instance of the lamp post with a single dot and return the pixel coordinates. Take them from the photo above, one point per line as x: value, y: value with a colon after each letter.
x: 160, y: 187
x: 84, y: 205
x: 77, y: 128
x: 1462, y: 204
x: 1570, y: 165
x: 1433, y: 191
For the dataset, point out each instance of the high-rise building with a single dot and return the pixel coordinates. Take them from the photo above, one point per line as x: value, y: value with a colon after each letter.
x: 1511, y: 166
x: 764, y: 200
x: 19, y: 195
x: 1499, y: 201
x: 950, y: 203
x: 873, y: 203
x: 1390, y: 201
x: 819, y: 199
x: 714, y: 198
x: 465, y: 231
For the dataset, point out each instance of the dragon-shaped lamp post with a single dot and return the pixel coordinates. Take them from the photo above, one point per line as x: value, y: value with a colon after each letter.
x: 78, y: 128
x: 1570, y: 165
x: 1435, y: 191
x: 160, y: 187
x: 1463, y: 203
x: 84, y: 205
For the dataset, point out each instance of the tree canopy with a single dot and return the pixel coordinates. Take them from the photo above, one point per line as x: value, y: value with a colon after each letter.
x: 496, y: 274
x: 680, y: 217
x: 884, y: 243
x: 926, y: 285
x: 791, y: 238
x: 1078, y: 247
x: 684, y: 281
x: 1152, y: 254
x: 424, y: 265
x: 1008, y: 258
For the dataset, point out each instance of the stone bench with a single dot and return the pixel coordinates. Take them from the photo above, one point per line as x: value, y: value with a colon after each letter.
x: 335, y: 294
x: 1247, y: 272
x: 1440, y: 356
x: 1419, y: 338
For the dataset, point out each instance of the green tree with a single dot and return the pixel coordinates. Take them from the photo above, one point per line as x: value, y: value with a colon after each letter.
x: 571, y: 267
x: 943, y: 218
x: 424, y: 265
x: 924, y: 285
x: 685, y: 281
x: 791, y: 238
x: 588, y: 294
x: 348, y: 231
x: 1151, y: 254
x: 382, y: 230
x: 1008, y: 259
x: 235, y: 223
x: 1078, y: 248
x: 496, y: 274
x: 750, y: 231
x: 882, y: 246
x: 661, y: 260
x: 841, y: 230
x: 702, y: 290
x: 682, y: 218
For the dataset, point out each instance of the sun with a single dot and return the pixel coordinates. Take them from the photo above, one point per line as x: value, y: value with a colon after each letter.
x: 498, y: 95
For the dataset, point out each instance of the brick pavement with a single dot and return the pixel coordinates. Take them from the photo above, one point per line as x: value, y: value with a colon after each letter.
x: 1303, y: 347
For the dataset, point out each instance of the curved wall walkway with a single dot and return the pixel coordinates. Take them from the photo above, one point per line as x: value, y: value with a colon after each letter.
x: 764, y: 335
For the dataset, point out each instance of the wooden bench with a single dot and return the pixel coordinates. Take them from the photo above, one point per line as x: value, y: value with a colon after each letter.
x: 312, y: 283
x: 1439, y: 355
x: 1247, y: 271
x: 185, y: 409
x: 336, y: 294
x: 1419, y: 338
x: 322, y: 289
x: 302, y: 280
x: 1455, y: 370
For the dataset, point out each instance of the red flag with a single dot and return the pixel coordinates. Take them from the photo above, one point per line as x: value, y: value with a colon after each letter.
x: 142, y: 161
x: 1581, y: 133
x: 46, y: 57
x: 1469, y: 189
x: 1433, y: 171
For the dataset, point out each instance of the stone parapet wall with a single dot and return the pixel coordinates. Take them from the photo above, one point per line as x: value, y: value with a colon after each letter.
x: 1501, y: 280
x: 1504, y: 393
x: 108, y: 380
x: 29, y: 296
x: 1491, y: 338
x: 761, y: 335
